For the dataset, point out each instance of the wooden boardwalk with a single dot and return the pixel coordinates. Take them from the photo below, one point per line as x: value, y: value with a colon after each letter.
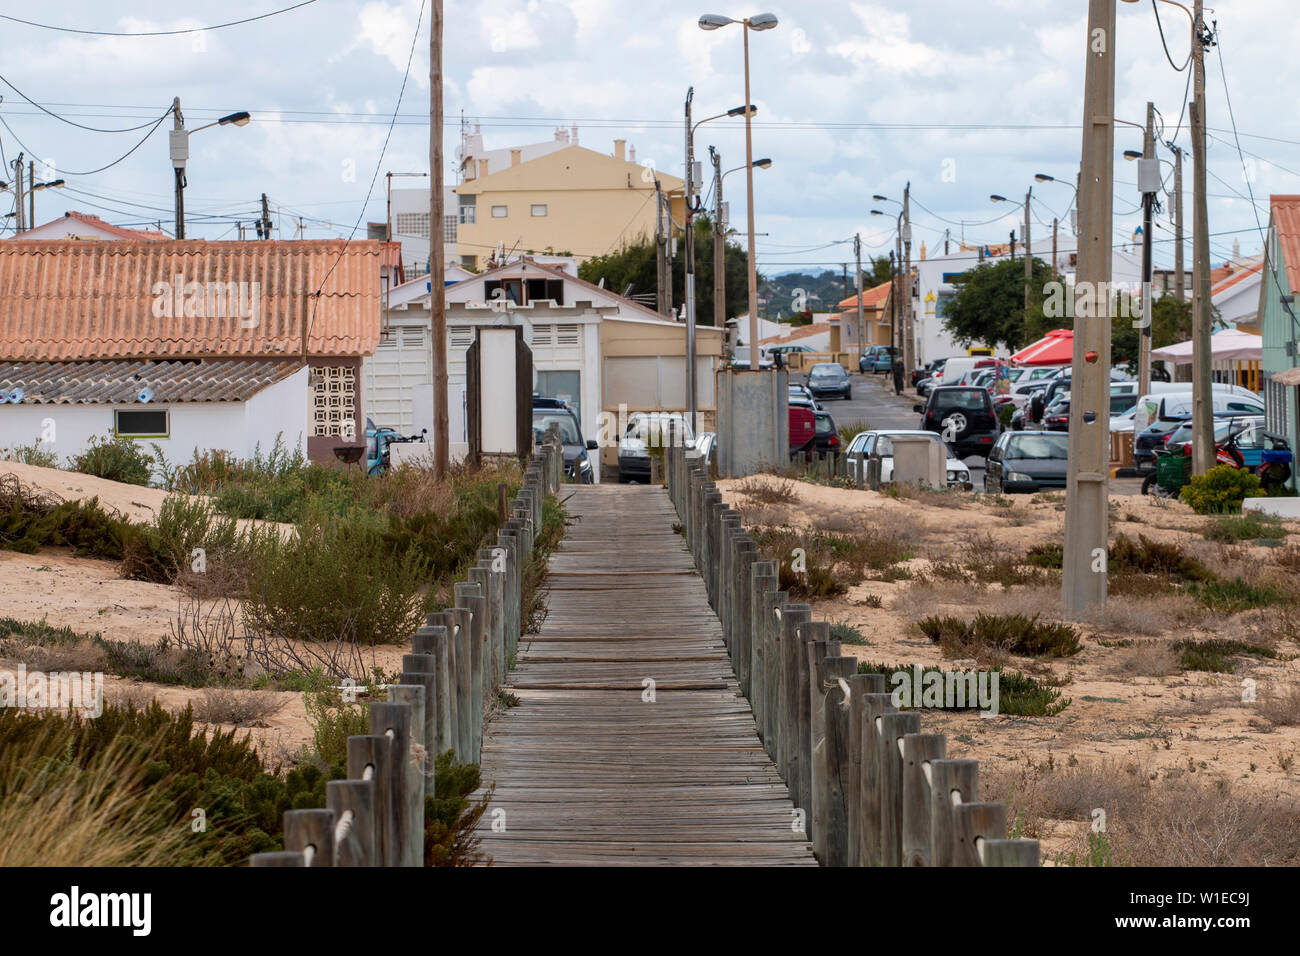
x: 587, y: 771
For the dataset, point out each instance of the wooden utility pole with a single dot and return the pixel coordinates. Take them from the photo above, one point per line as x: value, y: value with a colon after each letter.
x: 1054, y: 230
x: 437, y: 268
x: 1202, y: 407
x: 719, y: 246
x: 857, y: 254
x: 661, y: 254
x: 1083, y: 582
x: 1029, y: 253
x: 909, y: 340
x: 1180, y: 281
x: 1148, y: 206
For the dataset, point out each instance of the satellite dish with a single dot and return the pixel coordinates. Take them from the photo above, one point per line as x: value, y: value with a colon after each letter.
x: 16, y: 396
x: 145, y: 396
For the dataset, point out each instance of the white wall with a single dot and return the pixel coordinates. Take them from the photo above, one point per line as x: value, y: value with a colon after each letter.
x: 236, y: 427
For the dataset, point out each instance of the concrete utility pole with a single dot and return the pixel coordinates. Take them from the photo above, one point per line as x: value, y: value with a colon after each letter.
x: 749, y: 213
x: 857, y: 254
x: 19, y: 219
x: 690, y: 265
x: 909, y: 342
x: 1180, y: 281
x: 437, y: 267
x: 1148, y: 188
x: 895, y: 333
x: 1083, y: 583
x: 719, y: 245
x: 180, y: 149
x: 1054, y: 229
x: 264, y: 226
x: 1029, y: 252
x: 1202, y: 405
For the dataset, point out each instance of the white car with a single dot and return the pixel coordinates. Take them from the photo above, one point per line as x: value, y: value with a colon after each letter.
x: 1123, y: 422
x: 646, y: 429
x: 881, y: 443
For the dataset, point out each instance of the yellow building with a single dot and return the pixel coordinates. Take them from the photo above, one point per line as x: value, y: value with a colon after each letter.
x: 572, y: 201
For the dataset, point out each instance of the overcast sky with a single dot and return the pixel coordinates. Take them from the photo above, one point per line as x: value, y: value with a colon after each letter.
x: 986, y: 95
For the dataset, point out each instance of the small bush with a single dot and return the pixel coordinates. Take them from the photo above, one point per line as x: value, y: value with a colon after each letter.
x: 1221, y: 489
x: 32, y: 454
x: 1281, y: 706
x: 333, y: 720
x: 117, y: 459
x: 847, y: 634
x: 242, y: 708
x: 777, y: 491
x: 1235, y: 595
x: 1153, y: 557
x: 1016, y: 633
x: 450, y: 819
x: 1018, y: 695
x: 1215, y: 655
x: 1046, y: 556
x: 1252, y: 526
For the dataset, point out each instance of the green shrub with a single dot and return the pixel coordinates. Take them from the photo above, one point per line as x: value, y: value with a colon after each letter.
x: 1154, y: 557
x: 847, y: 634
x: 32, y: 454
x: 333, y: 720
x: 1018, y: 694
x: 1016, y: 633
x: 1215, y: 655
x: 1235, y: 595
x: 1221, y: 489
x: 115, y: 458
x: 1046, y: 556
x: 1004, y: 414
x: 1250, y: 526
x: 450, y: 820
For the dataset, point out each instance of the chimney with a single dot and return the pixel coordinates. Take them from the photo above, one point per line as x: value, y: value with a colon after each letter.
x: 631, y: 154
x: 619, y: 145
x: 514, y: 157
x: 573, y: 135
x: 482, y: 168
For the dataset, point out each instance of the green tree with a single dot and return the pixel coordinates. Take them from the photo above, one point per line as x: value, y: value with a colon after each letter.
x: 635, y: 267
x: 989, y: 306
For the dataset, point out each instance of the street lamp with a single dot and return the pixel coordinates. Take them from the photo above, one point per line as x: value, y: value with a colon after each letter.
x: 762, y: 21
x: 689, y: 281
x: 903, y: 233
x: 31, y: 196
x: 179, y: 143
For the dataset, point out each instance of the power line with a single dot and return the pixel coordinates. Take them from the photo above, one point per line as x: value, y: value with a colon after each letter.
x: 156, y: 33
x: 90, y: 172
x: 62, y: 119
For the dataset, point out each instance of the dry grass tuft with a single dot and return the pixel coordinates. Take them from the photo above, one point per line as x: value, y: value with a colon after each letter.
x: 1144, y: 659
x: 766, y: 490
x: 1281, y: 706
x: 242, y: 708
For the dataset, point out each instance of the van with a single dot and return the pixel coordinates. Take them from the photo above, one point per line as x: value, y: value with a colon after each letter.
x: 1172, y: 405
x: 955, y: 368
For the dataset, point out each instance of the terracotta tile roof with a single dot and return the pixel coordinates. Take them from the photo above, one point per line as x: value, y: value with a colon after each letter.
x: 802, y: 332
x: 96, y: 299
x: 119, y: 381
x: 1235, y: 277
x: 122, y: 232
x: 1286, y: 221
x: 874, y: 298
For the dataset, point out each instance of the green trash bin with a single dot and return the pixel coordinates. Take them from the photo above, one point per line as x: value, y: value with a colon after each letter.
x: 1172, y: 471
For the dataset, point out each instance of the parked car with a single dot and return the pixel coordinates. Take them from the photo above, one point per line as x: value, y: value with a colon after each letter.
x: 881, y: 359
x: 801, y: 394
x: 926, y: 370
x: 548, y: 411
x: 803, y: 430
x: 706, y: 443
x: 964, y: 416
x: 1027, y: 461
x: 880, y: 443
x: 827, y: 436
x: 1056, y: 417
x: 1249, y: 430
x: 772, y: 351
x: 646, y: 431
x: 829, y: 378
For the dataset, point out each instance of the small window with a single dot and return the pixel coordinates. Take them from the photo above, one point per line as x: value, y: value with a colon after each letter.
x: 500, y: 212
x: 135, y: 423
x: 538, y: 209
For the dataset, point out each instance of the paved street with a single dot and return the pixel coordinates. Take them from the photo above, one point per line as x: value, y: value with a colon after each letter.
x: 874, y: 402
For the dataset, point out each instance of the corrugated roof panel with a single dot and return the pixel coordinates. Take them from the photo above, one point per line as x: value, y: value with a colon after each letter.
x: 120, y: 381
x: 110, y: 299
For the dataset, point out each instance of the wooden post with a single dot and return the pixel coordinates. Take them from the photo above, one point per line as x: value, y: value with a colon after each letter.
x: 793, y: 617
x: 310, y: 832
x: 401, y: 846
x: 418, y: 768
x: 815, y: 651
x: 742, y: 629
x: 1010, y: 852
x: 949, y: 778
x: 370, y: 758
x: 893, y: 728
x: 493, y: 657
x: 428, y: 680
x: 440, y: 635
x: 470, y: 596
x: 464, y: 680
x: 776, y: 601
x: 353, y: 803
x: 859, y: 686
x: 973, y: 823
x: 835, y: 763
x: 874, y: 707
x: 762, y: 584
x: 918, y: 752
x: 803, y: 704
x: 449, y: 684
x: 501, y: 502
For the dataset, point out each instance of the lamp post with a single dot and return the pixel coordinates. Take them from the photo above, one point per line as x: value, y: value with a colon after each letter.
x: 32, y: 187
x: 179, y: 142
x: 720, y: 234
x: 1029, y: 252
x: 689, y: 281
x: 762, y: 21
x: 903, y: 231
x: 1074, y: 210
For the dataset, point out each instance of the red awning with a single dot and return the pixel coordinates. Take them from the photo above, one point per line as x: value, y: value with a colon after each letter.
x: 1055, y: 348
